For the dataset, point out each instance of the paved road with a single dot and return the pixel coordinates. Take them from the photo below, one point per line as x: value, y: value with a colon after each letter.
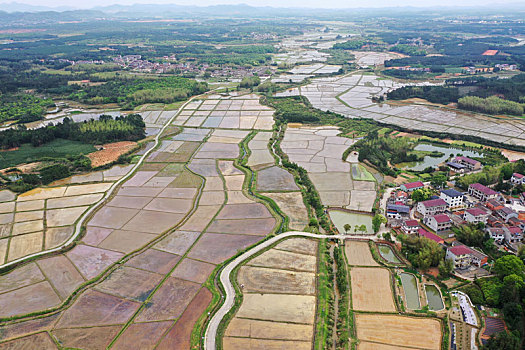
x: 211, y: 331
x: 78, y: 227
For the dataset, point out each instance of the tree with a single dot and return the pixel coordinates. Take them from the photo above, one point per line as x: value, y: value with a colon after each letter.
x: 438, y: 180
x: 446, y: 267
x: 508, y: 265
x: 470, y: 235
x: 420, y: 195
x: 502, y: 341
x: 347, y: 227
x: 377, y: 221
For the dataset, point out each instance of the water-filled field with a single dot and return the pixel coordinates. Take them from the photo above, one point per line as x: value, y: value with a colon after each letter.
x: 340, y: 218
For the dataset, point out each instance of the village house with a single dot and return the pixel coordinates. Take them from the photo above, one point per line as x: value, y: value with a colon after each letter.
x: 457, y: 168
x: 453, y: 198
x: 493, y: 205
x: 475, y: 215
x: 506, y: 213
x: 399, y: 197
x: 497, y: 234
x: 470, y: 164
x: 495, y: 221
x: 517, y: 179
x: 513, y: 234
x: 432, y: 236
x: 517, y: 222
x: 522, y: 198
x: 412, y: 186
x: 483, y: 193
x: 431, y: 207
x: 397, y: 211
x: 410, y: 227
x: 464, y: 256
x: 439, y: 222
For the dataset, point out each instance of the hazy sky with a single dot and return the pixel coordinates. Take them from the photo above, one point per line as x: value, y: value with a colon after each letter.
x: 275, y: 3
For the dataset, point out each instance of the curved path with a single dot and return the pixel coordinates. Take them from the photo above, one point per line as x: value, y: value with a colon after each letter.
x: 211, y: 331
x: 80, y: 223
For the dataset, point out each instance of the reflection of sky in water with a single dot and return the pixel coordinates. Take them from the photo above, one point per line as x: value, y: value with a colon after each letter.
x: 434, y: 161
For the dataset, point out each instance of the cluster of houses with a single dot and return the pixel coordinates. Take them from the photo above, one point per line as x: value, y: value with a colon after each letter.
x: 135, y: 62
x: 434, y: 218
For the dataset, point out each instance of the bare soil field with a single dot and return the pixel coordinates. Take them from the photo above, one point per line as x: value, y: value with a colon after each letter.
x: 404, y: 331
x: 371, y: 289
x: 110, y: 152
x: 291, y: 203
x: 263, y: 344
x: 268, y: 280
x: 285, y: 261
x: 278, y: 307
x: 358, y: 254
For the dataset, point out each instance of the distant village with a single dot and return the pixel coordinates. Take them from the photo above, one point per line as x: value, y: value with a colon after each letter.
x: 501, y: 217
x: 136, y: 63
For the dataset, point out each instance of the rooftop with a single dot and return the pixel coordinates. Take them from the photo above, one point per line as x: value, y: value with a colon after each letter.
x: 452, y: 193
x: 460, y: 250
x: 456, y: 165
x: 424, y: 233
x: 518, y: 176
x: 467, y: 160
x: 442, y: 218
x: 483, y: 189
x: 399, y: 208
x: 434, y: 203
x: 476, y: 211
x: 416, y: 184
x: 411, y: 223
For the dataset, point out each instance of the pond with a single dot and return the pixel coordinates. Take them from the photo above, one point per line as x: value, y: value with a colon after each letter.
x: 434, y: 300
x: 340, y: 218
x: 388, y: 254
x: 434, y: 161
x: 411, y: 292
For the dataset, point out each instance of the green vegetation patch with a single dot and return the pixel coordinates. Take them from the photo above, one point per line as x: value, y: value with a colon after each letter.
x: 23, y: 108
x: 54, y: 149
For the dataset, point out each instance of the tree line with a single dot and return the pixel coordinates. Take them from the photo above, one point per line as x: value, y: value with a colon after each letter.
x: 106, y: 129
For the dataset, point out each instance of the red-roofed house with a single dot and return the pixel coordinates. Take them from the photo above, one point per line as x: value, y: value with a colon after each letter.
x: 412, y: 186
x: 514, y: 234
x: 475, y: 215
x: 464, y: 256
x: 494, y: 205
x: 483, y: 193
x: 439, y: 222
x: 470, y: 164
x: 410, y: 227
x: 424, y: 233
x: 517, y: 179
x: 431, y: 207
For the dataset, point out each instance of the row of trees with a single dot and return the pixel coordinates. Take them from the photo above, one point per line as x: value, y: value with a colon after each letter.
x: 106, y: 129
x: 434, y: 94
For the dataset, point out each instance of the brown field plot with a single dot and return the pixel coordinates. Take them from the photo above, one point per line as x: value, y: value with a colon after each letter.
x: 358, y: 254
x: 110, y: 152
x: 398, y: 331
x: 278, y: 308
x: 371, y: 289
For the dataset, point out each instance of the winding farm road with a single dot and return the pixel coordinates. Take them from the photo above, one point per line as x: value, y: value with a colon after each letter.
x: 211, y: 331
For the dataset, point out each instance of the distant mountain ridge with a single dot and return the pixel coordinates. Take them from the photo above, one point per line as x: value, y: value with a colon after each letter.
x: 19, y: 14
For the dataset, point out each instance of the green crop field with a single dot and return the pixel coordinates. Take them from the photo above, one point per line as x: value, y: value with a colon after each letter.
x: 54, y: 149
